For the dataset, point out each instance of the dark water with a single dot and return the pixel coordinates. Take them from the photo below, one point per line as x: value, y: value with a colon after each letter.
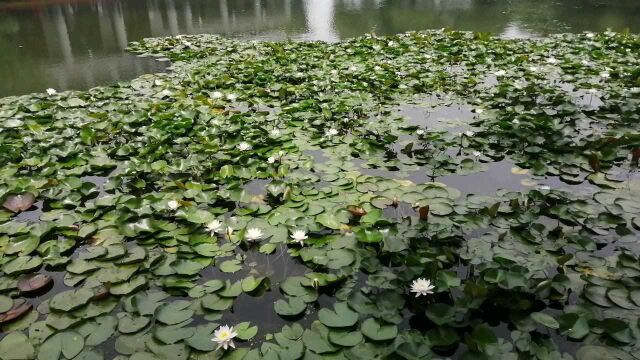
x: 67, y: 44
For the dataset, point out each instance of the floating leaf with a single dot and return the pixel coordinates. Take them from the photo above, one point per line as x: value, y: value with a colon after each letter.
x: 19, y: 202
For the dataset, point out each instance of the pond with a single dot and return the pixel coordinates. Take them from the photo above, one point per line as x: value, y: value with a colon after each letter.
x: 80, y: 44
x: 415, y: 195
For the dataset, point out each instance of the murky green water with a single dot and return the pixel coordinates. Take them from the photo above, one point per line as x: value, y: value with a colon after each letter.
x: 80, y: 44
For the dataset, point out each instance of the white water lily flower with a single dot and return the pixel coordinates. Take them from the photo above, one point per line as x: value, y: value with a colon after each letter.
x: 214, y: 226
x: 477, y: 153
x: 469, y: 133
x: 515, y: 122
x: 500, y: 73
x: 552, y: 60
x: 173, y: 204
x: 332, y: 132
x: 591, y: 35
x: 275, y: 132
x: 224, y: 337
x: 299, y: 236
x: 244, y: 146
x: 479, y: 111
x: 422, y: 287
x: 253, y: 234
x: 51, y: 91
x: 217, y: 95
x: 271, y: 160
x: 420, y: 132
x: 352, y: 68
x: 232, y: 97
x: 533, y: 68
x: 604, y: 75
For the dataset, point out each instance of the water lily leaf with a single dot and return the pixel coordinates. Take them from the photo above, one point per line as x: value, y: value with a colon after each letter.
x: 230, y: 266
x: 620, y: 297
x: 368, y: 236
x: 345, y: 338
x: 68, y: 343
x: 19, y: 202
x: 597, y: 295
x: 374, y: 330
x: 147, y: 302
x: 201, y: 338
x: 440, y: 313
x: 545, y: 320
x: 173, y: 333
x: 342, y: 316
x: 617, y: 330
x: 71, y: 299
x: 593, y: 352
x: 16, y: 346
x: 174, y: 312
x: 250, y: 283
x: 105, y: 327
x: 216, y: 303
x: 245, y: 330
x: 136, y: 283
x: 22, y: 264
x: 294, y: 307
x: 316, y: 339
x: 6, y: 303
x: 128, y: 323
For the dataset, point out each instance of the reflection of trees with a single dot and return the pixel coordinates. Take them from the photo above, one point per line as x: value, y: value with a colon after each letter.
x: 354, y: 17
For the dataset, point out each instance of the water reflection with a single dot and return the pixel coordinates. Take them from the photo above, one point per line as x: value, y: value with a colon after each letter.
x: 79, y: 44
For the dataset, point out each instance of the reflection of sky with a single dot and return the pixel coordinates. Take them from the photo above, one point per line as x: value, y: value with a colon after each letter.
x: 320, y: 22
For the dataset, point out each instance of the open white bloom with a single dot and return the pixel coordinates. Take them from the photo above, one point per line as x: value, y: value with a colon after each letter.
x: 420, y: 132
x: 165, y: 92
x: 422, y: 287
x: 552, y: 60
x: 232, y: 97
x: 477, y: 153
x: 604, y: 75
x: 332, y: 132
x: 275, y: 132
x: 253, y: 234
x: 533, y: 68
x: 217, y: 95
x: 479, y: 111
x: 51, y: 91
x: 352, y: 68
x: 271, y: 160
x: 244, y: 146
x: 500, y: 73
x: 469, y: 133
x: 515, y: 122
x: 590, y: 35
x: 173, y: 204
x: 214, y: 226
x: 224, y: 337
x: 377, y: 68
x: 299, y: 236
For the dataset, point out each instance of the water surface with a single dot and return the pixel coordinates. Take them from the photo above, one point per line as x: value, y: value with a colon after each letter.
x: 78, y: 44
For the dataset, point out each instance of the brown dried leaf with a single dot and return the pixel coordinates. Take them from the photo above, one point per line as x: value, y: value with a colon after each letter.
x: 34, y: 282
x: 20, y: 202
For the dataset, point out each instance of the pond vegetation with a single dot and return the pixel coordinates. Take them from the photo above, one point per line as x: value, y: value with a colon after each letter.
x: 287, y: 200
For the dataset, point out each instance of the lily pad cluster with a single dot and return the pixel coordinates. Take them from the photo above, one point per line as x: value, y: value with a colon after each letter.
x: 140, y: 217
